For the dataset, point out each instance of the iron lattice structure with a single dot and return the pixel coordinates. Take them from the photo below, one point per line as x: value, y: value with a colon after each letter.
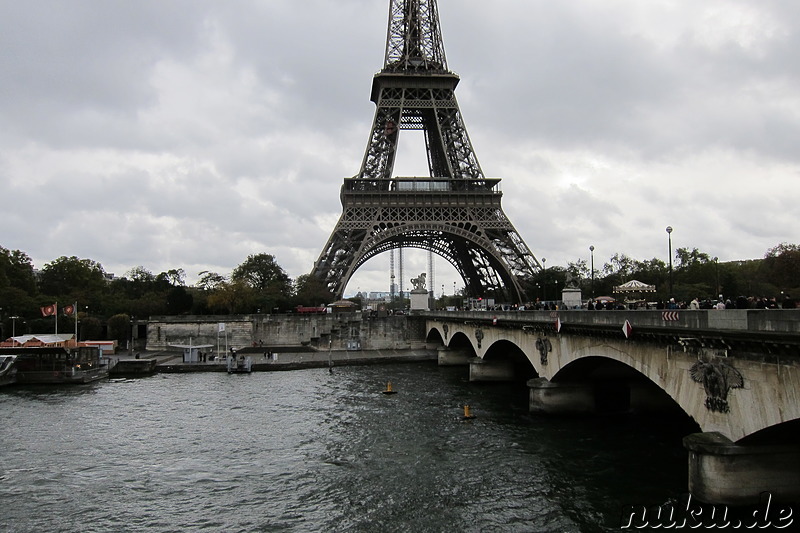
x: 455, y: 212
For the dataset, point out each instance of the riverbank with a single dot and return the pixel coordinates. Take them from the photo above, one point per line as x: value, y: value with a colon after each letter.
x: 170, y: 362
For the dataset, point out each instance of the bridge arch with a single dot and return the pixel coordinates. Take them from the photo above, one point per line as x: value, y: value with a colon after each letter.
x: 619, y: 387
x: 434, y: 337
x: 508, y: 352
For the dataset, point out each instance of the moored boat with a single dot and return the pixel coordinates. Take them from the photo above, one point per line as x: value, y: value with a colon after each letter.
x: 56, y: 364
x: 8, y: 372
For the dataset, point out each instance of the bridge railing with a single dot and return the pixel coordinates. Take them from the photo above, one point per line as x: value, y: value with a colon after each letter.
x: 786, y: 321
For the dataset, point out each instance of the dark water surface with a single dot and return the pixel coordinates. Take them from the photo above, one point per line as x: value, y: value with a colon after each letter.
x: 312, y: 451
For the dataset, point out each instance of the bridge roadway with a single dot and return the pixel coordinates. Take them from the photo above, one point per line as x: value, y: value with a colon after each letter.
x: 735, y: 373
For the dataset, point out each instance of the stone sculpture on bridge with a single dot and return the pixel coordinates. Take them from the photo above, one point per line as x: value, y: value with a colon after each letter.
x: 718, y: 379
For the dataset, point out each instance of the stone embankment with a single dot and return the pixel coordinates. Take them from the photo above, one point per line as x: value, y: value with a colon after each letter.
x: 170, y: 363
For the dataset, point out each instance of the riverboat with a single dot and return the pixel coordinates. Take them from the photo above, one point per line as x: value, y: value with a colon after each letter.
x: 8, y: 372
x: 56, y: 365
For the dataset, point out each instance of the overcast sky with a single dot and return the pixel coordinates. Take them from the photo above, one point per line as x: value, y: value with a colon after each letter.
x: 192, y: 133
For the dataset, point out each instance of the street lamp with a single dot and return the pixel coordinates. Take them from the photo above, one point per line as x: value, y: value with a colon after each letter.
x: 544, y: 278
x: 669, y: 238
x: 13, y: 327
x: 591, y: 250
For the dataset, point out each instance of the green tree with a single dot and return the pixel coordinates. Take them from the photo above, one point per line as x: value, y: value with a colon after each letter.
x: 271, y: 286
x: 781, y: 266
x: 16, y: 270
x: 119, y: 328
x: 311, y: 291
x: 262, y: 272
x: 72, y: 277
x: 179, y: 301
x: 210, y: 280
x: 232, y: 298
x: 90, y: 328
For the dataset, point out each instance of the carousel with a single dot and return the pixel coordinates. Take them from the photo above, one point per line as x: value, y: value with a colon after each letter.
x: 634, y: 293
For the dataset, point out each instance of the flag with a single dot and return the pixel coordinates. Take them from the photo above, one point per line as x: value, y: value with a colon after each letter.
x: 627, y: 329
x: 220, y: 327
x: 69, y: 310
x: 558, y: 325
x: 49, y: 310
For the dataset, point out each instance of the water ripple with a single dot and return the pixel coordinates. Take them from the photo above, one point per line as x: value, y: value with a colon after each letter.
x: 313, y: 451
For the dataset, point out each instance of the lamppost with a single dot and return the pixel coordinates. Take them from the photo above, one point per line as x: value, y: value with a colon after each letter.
x: 716, y: 274
x: 591, y: 250
x: 13, y: 327
x: 669, y: 238
x: 544, y: 278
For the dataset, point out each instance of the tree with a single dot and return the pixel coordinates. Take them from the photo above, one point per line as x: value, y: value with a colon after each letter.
x: 16, y: 270
x: 119, y: 328
x: 781, y: 266
x: 271, y: 286
x: 209, y: 280
x: 91, y: 328
x: 688, y: 258
x: 174, y: 277
x: 72, y: 277
x: 179, y: 301
x: 262, y: 272
x: 231, y: 298
x: 311, y: 291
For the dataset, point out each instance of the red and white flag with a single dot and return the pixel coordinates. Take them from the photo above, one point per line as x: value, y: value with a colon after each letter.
x: 558, y: 325
x: 627, y: 329
x: 49, y: 310
x: 69, y: 310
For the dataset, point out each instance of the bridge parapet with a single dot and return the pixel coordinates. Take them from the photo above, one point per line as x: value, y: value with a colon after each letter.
x: 766, y: 320
x: 741, y: 332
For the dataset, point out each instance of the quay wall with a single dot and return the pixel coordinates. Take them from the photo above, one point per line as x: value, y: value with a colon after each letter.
x: 342, y: 331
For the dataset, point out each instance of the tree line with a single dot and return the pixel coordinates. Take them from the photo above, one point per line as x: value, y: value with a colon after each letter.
x: 106, y: 305
x: 695, y: 274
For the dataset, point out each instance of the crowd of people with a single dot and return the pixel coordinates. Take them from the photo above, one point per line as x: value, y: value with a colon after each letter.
x: 741, y: 302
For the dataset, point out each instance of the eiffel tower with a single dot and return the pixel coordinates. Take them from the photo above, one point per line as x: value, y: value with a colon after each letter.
x: 455, y: 212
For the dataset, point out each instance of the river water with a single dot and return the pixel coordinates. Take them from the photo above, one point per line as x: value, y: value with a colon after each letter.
x: 310, y: 450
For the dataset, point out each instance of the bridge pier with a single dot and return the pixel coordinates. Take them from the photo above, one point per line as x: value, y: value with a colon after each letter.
x: 560, y: 398
x: 483, y: 370
x: 449, y: 357
x: 721, y: 472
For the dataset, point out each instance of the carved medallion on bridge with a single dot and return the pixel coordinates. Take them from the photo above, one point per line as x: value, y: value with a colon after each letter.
x: 446, y: 329
x: 479, y: 336
x: 718, y: 378
x: 544, y: 347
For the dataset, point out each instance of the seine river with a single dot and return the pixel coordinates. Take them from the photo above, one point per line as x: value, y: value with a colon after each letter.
x: 310, y: 450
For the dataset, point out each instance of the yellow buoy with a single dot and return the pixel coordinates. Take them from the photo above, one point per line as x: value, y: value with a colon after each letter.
x: 467, y: 413
x: 389, y: 388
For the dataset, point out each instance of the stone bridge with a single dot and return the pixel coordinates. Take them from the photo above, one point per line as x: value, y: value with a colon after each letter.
x: 735, y: 373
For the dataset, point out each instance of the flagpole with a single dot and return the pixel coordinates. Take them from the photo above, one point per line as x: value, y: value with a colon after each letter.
x: 56, y: 316
x: 75, y: 312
